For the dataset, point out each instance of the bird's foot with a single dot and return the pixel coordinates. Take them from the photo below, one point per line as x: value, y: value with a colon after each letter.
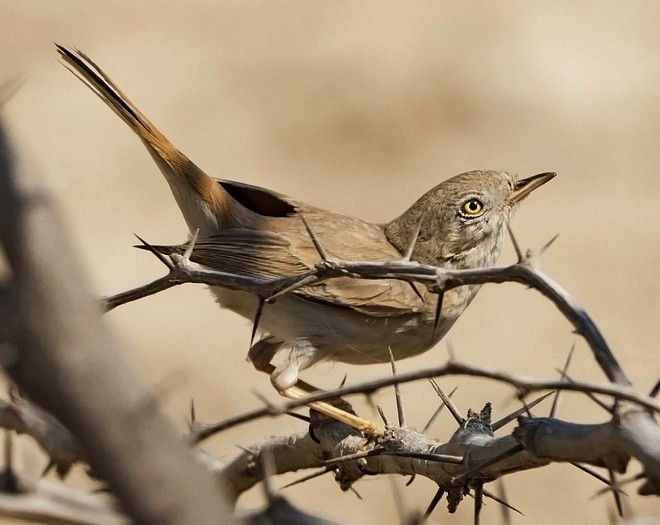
x: 301, y: 390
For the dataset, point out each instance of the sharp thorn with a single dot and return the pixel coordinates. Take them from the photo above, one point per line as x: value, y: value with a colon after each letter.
x: 592, y: 473
x: 316, y: 474
x: 616, y: 493
x: 547, y: 245
x: 153, y: 250
x: 193, y: 415
x: 381, y: 413
x: 295, y: 415
x: 564, y: 372
x: 438, y: 311
x: 502, y: 502
x: 357, y: 494
x: 434, y: 503
x: 514, y: 415
x: 397, y: 392
x: 304, y: 280
x: 413, y: 242
x: 460, y: 480
x: 191, y: 244
x: 456, y: 414
x: 515, y: 244
x: 478, y: 501
x: 257, y: 318
x: 417, y: 292
x: 437, y: 412
x: 591, y: 396
x: 314, y: 238
x: 654, y: 391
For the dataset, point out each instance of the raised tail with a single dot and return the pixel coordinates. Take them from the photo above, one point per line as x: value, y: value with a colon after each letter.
x: 203, y: 202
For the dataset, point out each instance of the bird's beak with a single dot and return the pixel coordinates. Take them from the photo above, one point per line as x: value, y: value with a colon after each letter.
x: 524, y: 187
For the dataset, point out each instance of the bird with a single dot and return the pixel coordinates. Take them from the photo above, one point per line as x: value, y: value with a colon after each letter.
x: 252, y: 231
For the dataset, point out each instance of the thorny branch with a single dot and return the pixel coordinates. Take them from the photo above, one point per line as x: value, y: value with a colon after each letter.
x: 525, y: 272
x: 522, y: 385
x: 472, y: 456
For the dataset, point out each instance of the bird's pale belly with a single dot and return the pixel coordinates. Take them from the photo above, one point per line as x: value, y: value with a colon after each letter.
x: 344, y: 334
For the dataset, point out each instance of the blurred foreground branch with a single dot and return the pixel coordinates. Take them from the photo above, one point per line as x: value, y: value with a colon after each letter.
x: 65, y: 360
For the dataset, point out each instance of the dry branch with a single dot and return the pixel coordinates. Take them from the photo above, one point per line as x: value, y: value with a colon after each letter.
x: 60, y: 343
x: 68, y: 363
x: 525, y: 271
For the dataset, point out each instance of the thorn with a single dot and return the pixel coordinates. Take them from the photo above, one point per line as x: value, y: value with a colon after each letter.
x: 514, y: 415
x: 615, y: 492
x: 246, y: 450
x: 267, y: 463
x: 591, y: 396
x: 153, y: 250
x: 257, y: 318
x: 193, y: 416
x: 436, y: 458
x: 564, y: 372
x: 191, y: 245
x: 343, y: 381
x: 8, y: 481
x: 478, y: 501
x: 526, y: 408
x: 654, y: 391
x: 632, y: 479
x: 379, y: 451
x: 314, y: 238
x: 437, y: 412
x: 267, y: 403
x: 459, y: 480
x: 397, y: 392
x: 313, y: 475
x: 547, y: 245
x: 434, y: 503
x: 295, y: 415
x: 515, y: 244
x: 49, y: 467
x: 592, y: 473
x: 450, y: 352
x: 417, y: 292
x: 438, y: 311
x: 506, y: 506
x: 303, y: 281
x: 9, y: 88
x: 410, y: 481
x: 382, y: 415
x: 357, y: 494
x: 413, y: 242
x: 458, y: 417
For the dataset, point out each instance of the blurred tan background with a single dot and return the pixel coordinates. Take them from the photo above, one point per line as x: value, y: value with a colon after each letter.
x: 361, y: 107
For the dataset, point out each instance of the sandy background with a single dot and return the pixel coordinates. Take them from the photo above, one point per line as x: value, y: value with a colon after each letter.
x: 361, y: 107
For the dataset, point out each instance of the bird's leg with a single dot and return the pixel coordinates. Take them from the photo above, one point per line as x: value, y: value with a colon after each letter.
x: 365, y: 426
x: 286, y: 382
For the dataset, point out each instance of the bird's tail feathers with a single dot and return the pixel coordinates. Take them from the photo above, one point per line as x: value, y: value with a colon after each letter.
x: 201, y: 199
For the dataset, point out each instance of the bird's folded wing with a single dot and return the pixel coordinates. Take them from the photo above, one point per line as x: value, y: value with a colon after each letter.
x: 270, y: 255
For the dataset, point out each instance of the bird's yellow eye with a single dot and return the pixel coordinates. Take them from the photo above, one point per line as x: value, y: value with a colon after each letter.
x: 472, y: 208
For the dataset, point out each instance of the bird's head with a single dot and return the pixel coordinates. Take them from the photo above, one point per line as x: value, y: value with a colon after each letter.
x: 462, y: 220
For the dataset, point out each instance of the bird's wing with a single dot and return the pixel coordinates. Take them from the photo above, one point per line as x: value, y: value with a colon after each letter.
x: 272, y: 254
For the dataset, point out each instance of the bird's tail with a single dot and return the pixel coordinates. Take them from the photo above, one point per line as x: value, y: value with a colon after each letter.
x: 203, y: 202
